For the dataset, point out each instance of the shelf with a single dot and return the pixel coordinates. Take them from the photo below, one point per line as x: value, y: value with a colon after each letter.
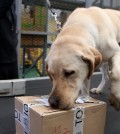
x: 58, y: 4
x: 38, y: 33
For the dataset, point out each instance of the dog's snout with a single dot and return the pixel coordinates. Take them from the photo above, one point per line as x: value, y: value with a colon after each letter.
x: 54, y: 101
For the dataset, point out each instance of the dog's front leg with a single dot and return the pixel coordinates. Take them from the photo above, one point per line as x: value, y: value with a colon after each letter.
x: 115, y: 81
x: 85, y: 95
x: 105, y: 78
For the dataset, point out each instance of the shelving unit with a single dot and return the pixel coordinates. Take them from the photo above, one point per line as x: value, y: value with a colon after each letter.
x: 38, y: 37
x: 39, y: 31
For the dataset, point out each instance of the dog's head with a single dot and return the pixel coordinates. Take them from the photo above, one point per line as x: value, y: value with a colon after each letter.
x: 68, y: 67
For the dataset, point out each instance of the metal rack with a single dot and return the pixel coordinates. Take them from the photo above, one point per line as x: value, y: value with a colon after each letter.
x: 41, y: 35
x: 35, y: 38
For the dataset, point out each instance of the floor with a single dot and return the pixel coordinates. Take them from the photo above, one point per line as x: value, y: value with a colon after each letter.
x: 7, y: 122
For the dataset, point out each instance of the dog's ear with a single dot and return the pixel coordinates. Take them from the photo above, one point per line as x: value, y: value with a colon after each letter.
x: 90, y: 62
x: 93, y: 58
x: 97, y: 56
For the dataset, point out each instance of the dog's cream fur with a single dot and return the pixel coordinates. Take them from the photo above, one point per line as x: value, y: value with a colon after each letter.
x: 89, y: 39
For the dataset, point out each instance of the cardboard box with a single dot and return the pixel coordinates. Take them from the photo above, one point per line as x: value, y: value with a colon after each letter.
x: 32, y: 117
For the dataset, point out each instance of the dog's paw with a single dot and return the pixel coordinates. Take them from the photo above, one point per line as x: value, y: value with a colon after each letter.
x: 115, y: 101
x: 96, y: 90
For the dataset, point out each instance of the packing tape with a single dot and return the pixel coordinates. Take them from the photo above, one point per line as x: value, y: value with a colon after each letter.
x: 78, y: 120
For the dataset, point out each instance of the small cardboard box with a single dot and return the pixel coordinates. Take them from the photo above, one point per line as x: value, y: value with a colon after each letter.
x: 32, y: 117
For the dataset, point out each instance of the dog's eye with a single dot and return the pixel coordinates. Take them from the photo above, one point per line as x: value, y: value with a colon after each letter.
x: 68, y: 73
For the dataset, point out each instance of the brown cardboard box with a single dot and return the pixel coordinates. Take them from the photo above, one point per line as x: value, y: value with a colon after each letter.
x: 32, y: 117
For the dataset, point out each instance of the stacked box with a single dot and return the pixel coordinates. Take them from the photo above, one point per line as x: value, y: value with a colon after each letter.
x: 32, y: 117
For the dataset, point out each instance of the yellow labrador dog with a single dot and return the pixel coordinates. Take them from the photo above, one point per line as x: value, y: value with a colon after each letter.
x: 89, y: 39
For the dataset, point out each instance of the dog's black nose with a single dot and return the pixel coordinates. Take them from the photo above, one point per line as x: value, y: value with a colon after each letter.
x: 54, y: 101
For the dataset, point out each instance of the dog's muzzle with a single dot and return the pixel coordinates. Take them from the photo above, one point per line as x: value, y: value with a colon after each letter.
x: 54, y: 101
